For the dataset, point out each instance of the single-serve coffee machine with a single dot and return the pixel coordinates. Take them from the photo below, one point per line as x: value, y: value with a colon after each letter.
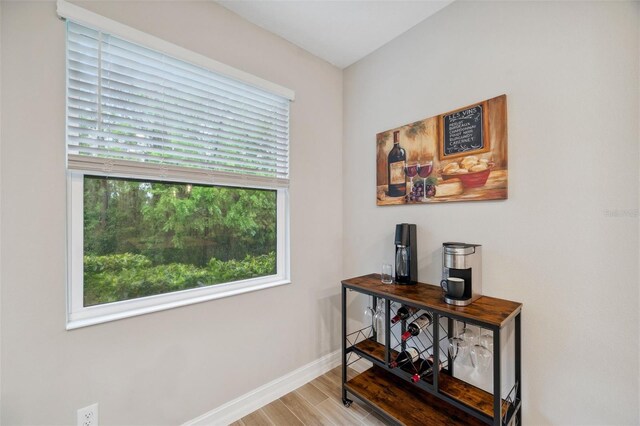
x: 406, y: 254
x: 461, y: 262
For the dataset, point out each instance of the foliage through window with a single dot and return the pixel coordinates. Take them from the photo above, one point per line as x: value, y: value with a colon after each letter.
x: 144, y: 238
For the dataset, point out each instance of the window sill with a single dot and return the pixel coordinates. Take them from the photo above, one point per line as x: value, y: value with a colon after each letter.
x: 130, y: 308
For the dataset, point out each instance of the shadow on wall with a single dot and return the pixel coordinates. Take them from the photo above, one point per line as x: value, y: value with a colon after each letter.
x: 328, y: 333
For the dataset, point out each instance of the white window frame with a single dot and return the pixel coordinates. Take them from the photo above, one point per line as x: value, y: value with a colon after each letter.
x: 80, y: 316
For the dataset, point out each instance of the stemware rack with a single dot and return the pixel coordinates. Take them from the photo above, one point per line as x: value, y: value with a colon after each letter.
x: 439, y: 398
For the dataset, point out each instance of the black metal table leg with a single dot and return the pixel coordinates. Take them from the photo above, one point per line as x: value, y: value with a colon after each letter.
x: 387, y: 331
x: 518, y: 372
x: 449, y: 335
x: 497, y: 392
x: 345, y: 400
x: 374, y: 327
x: 403, y: 329
x: 436, y: 350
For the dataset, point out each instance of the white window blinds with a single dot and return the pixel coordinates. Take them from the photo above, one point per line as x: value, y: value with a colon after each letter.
x: 133, y: 111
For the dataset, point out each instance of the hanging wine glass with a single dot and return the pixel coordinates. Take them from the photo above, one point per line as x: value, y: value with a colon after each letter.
x: 480, y: 357
x: 457, y: 345
x: 469, y: 335
x: 378, y: 316
x: 486, y: 340
x: 369, y: 315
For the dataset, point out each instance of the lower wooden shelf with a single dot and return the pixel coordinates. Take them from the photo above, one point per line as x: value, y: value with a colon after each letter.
x: 404, y: 402
x: 455, y: 388
x: 466, y: 393
x: 373, y: 349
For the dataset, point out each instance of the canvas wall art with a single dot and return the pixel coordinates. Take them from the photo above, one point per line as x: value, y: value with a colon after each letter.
x: 460, y: 155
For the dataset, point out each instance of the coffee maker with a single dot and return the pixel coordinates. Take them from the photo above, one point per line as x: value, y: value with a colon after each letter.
x: 463, y: 261
x: 406, y: 254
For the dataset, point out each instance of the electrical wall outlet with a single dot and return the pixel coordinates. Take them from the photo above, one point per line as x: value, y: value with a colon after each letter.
x: 88, y: 416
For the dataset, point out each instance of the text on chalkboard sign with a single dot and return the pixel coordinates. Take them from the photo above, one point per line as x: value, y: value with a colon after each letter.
x: 463, y: 131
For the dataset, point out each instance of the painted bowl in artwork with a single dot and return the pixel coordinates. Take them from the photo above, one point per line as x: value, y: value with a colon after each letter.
x: 471, y: 179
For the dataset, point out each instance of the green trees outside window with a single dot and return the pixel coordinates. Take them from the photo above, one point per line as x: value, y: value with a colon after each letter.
x: 143, y: 238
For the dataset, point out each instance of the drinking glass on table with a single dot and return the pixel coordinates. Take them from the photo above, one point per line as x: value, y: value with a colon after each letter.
x: 387, y: 273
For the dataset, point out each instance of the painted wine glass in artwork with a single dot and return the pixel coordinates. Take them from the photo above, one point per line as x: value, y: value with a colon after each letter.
x: 411, y: 170
x: 424, y: 171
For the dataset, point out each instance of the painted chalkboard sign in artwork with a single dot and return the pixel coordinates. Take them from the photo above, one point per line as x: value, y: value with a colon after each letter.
x: 460, y: 155
x: 463, y: 132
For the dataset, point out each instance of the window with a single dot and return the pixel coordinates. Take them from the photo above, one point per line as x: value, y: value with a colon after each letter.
x: 178, y: 180
x: 143, y: 238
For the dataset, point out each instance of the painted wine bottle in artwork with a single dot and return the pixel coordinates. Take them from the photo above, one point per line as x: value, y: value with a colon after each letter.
x: 395, y: 168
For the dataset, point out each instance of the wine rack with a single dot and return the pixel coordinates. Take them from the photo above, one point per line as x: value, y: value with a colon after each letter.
x: 438, y: 397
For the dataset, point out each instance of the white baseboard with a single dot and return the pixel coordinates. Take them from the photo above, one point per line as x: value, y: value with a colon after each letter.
x: 251, y: 401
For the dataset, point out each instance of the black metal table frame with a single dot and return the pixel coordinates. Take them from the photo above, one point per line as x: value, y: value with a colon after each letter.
x: 434, y: 389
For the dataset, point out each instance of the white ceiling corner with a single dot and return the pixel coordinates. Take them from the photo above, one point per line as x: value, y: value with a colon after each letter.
x: 338, y: 31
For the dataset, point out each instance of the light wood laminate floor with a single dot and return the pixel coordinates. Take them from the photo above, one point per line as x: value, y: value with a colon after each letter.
x: 319, y: 402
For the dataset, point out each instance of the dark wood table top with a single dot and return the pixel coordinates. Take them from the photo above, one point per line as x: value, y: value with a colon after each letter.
x: 487, y: 310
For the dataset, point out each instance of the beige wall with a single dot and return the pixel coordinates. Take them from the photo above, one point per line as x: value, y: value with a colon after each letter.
x: 566, y: 242
x: 171, y: 366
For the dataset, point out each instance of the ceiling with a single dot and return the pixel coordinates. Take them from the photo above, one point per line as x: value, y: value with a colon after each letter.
x: 338, y: 31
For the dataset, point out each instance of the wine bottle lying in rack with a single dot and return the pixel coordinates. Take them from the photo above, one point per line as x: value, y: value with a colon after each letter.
x: 409, y: 355
x: 422, y: 322
x: 425, y: 369
x: 403, y: 313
